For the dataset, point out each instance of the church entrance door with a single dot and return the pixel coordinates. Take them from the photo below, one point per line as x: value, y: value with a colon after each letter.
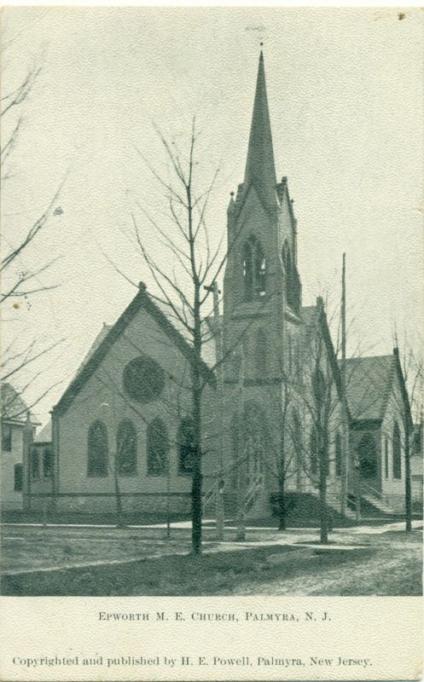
x: 368, y: 463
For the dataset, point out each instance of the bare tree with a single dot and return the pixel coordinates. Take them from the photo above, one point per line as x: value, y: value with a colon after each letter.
x: 189, y: 295
x: 324, y: 410
x: 409, y: 404
x: 18, y: 283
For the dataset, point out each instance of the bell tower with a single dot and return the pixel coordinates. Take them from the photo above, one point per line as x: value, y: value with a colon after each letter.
x: 262, y: 288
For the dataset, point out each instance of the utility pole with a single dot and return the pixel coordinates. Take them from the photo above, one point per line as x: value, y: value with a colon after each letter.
x: 219, y: 497
x: 345, y: 471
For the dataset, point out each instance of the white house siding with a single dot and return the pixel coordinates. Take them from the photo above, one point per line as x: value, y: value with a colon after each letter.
x: 103, y: 397
x: 10, y: 498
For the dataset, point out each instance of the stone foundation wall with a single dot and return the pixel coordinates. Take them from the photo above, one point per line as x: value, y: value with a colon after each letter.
x: 178, y: 504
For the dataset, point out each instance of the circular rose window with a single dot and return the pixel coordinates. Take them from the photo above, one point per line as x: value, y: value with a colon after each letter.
x: 144, y: 379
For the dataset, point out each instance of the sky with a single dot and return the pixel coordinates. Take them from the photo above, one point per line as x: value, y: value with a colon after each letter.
x: 346, y: 105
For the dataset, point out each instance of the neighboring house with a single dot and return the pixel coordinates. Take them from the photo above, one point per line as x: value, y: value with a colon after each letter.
x: 417, y: 457
x: 380, y: 411
x: 17, y: 430
x: 40, y: 467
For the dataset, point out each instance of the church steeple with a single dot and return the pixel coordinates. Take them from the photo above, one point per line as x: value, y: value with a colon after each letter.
x: 260, y: 167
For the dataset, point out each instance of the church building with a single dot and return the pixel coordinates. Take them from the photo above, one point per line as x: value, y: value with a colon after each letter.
x: 123, y: 426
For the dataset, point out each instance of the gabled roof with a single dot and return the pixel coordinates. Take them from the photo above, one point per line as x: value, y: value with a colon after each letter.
x: 98, y: 351
x: 45, y: 435
x: 314, y: 317
x: 368, y: 384
x: 13, y: 407
x: 96, y: 343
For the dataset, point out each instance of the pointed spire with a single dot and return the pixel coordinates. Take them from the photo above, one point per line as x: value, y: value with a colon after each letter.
x: 260, y: 168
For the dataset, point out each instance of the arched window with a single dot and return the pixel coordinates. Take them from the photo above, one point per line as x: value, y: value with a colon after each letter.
x: 185, y: 446
x: 319, y: 387
x: 397, y: 466
x: 313, y: 445
x: 254, y: 269
x: 47, y: 463
x: 261, y: 353
x: 126, y: 448
x: 157, y: 448
x: 386, y: 457
x: 287, y: 260
x: 292, y: 278
x: 368, y: 456
x: 35, y: 464
x: 339, y: 455
x: 98, y: 450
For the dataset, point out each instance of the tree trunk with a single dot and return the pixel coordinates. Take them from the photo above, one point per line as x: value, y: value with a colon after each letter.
x: 323, y: 464
x: 196, y: 489
x: 281, y: 504
x: 408, y: 492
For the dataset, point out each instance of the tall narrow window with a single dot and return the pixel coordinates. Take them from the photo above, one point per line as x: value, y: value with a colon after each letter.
x: 47, y: 463
x: 98, y: 450
x: 261, y: 353
x: 6, y: 437
x: 291, y: 277
x: 35, y: 464
x: 397, y: 466
x: 297, y: 446
x: 126, y: 449
x: 319, y: 387
x: 185, y: 446
x: 254, y: 269
x: 314, y: 451
x: 339, y: 455
x: 157, y: 448
x: 18, y: 474
x: 386, y: 457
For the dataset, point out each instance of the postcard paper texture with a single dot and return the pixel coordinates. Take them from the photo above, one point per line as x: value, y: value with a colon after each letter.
x: 212, y: 356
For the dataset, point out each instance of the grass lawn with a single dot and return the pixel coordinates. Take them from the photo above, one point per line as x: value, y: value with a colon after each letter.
x: 388, y: 563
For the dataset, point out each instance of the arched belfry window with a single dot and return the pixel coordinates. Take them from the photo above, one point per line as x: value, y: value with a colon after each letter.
x: 98, y: 450
x: 397, y: 466
x: 157, y: 448
x: 292, y: 278
x: 261, y: 353
x: 254, y: 269
x: 287, y: 262
x: 126, y: 448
